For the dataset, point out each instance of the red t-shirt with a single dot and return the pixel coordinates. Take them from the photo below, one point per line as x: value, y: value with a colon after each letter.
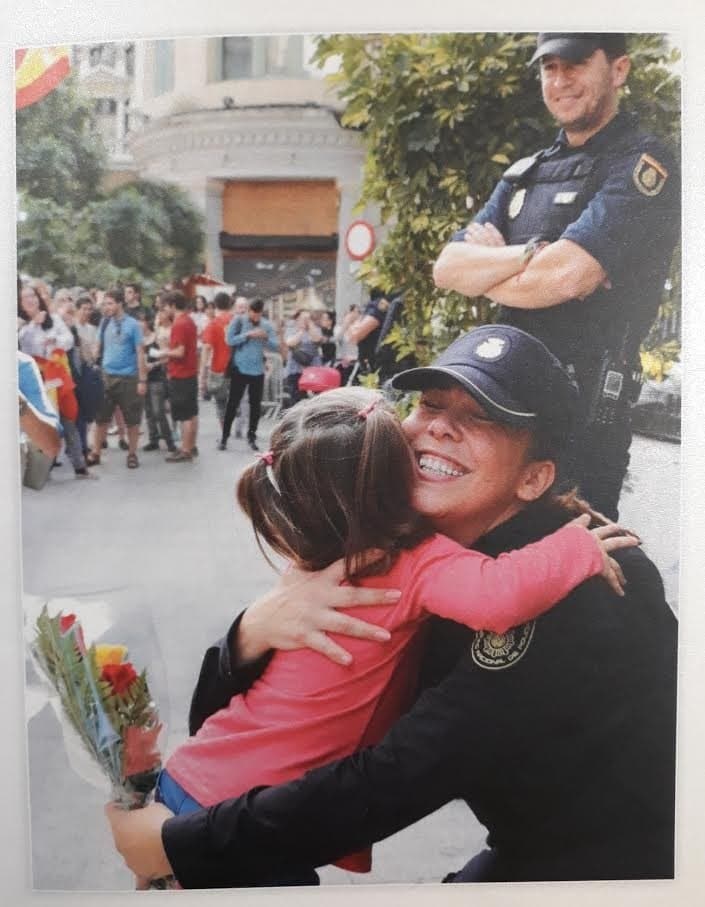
x: 305, y: 710
x: 214, y: 336
x: 184, y: 333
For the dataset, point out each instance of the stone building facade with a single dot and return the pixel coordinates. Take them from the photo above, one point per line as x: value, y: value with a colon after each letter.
x: 249, y: 128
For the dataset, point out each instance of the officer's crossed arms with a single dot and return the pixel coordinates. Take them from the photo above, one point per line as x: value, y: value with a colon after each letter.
x: 517, y: 276
x: 582, y: 94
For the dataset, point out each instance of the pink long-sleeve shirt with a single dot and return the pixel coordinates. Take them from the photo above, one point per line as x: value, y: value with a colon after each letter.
x: 305, y: 710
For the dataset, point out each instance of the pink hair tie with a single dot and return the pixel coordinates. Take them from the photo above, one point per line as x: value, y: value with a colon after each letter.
x: 366, y: 410
x: 268, y: 459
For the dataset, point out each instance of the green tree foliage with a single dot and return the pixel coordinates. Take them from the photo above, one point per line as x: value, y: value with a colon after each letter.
x: 443, y: 115
x: 59, y: 154
x: 70, y: 230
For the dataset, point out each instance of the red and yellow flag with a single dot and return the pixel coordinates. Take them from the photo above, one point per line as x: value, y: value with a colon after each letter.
x: 38, y: 70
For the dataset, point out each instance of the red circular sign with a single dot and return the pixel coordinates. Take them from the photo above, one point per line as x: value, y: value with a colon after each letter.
x: 359, y: 239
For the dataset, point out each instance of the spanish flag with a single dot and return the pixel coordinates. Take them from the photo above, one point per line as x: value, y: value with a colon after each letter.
x: 38, y: 70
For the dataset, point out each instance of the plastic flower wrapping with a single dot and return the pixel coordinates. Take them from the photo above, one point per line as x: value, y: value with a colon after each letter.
x: 106, y: 704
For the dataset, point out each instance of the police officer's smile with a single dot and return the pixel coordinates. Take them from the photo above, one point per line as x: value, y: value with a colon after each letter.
x: 582, y: 96
x: 471, y: 471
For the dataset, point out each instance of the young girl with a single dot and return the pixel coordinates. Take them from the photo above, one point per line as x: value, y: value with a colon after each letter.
x: 335, y: 484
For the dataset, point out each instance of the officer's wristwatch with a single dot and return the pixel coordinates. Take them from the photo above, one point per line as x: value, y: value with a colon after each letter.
x: 531, y: 248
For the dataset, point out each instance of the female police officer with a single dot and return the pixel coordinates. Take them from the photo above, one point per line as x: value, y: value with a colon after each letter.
x: 559, y: 734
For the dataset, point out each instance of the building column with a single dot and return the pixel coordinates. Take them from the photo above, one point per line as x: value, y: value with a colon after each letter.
x: 120, y: 127
x: 347, y: 289
x: 214, y: 225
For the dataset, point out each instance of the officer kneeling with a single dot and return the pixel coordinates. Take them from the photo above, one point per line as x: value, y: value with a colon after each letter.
x: 559, y: 734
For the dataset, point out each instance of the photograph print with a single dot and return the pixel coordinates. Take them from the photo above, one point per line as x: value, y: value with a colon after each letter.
x: 349, y: 374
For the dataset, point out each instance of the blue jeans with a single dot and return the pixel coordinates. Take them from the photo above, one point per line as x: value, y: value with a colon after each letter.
x: 155, y: 408
x: 173, y: 796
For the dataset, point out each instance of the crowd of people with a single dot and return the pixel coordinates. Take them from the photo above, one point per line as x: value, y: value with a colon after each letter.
x: 114, y: 364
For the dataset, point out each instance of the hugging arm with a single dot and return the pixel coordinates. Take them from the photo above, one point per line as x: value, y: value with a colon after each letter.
x: 300, y: 611
x: 269, y: 832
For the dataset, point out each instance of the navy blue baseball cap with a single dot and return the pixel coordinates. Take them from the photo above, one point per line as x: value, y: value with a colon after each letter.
x: 578, y: 46
x: 516, y: 378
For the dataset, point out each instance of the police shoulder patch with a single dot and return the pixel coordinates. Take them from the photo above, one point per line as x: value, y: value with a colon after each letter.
x: 649, y: 175
x: 495, y: 651
x: 382, y: 304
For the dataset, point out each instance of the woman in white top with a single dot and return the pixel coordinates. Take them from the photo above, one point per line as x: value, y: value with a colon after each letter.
x: 45, y: 337
x: 40, y: 333
x: 199, y: 316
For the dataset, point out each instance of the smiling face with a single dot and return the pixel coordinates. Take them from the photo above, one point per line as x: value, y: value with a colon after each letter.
x: 471, y: 473
x: 583, y: 97
x: 29, y: 300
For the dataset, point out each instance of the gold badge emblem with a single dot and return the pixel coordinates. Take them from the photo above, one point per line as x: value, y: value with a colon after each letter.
x: 516, y: 203
x: 649, y: 176
x: 495, y: 651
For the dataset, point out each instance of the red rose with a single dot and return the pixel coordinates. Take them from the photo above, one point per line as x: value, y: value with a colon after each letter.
x: 141, y: 752
x: 120, y: 677
x: 66, y: 621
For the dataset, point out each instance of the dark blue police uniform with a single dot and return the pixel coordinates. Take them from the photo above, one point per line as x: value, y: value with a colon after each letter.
x: 373, y: 353
x: 618, y: 197
x: 560, y: 735
x: 377, y: 308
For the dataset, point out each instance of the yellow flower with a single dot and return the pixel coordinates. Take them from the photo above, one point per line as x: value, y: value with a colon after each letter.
x: 109, y: 655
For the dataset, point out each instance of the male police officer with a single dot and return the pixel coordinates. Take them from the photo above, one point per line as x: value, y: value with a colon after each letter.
x: 559, y: 733
x: 575, y: 244
x: 370, y: 332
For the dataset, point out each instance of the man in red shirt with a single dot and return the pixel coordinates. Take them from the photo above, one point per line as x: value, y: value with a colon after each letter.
x: 215, y: 354
x: 182, y: 370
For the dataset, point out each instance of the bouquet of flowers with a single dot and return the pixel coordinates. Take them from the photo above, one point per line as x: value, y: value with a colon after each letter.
x: 105, y: 702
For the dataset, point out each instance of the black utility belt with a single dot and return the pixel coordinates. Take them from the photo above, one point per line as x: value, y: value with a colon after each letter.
x: 608, y: 389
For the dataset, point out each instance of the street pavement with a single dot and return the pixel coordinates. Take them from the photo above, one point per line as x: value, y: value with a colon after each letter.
x: 159, y: 558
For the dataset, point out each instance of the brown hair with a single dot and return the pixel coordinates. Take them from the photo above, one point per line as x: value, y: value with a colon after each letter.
x: 544, y: 445
x: 177, y: 299
x: 116, y: 294
x: 343, y: 484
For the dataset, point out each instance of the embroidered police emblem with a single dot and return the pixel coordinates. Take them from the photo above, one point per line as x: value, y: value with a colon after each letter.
x: 516, y: 203
x: 649, y: 176
x: 492, y: 348
x: 382, y: 305
x: 495, y: 651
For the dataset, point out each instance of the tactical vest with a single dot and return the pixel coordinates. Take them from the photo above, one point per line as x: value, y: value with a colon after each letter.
x: 549, y: 191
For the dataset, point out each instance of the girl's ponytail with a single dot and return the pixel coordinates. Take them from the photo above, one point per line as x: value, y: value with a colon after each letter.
x: 336, y: 483
x: 257, y: 496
